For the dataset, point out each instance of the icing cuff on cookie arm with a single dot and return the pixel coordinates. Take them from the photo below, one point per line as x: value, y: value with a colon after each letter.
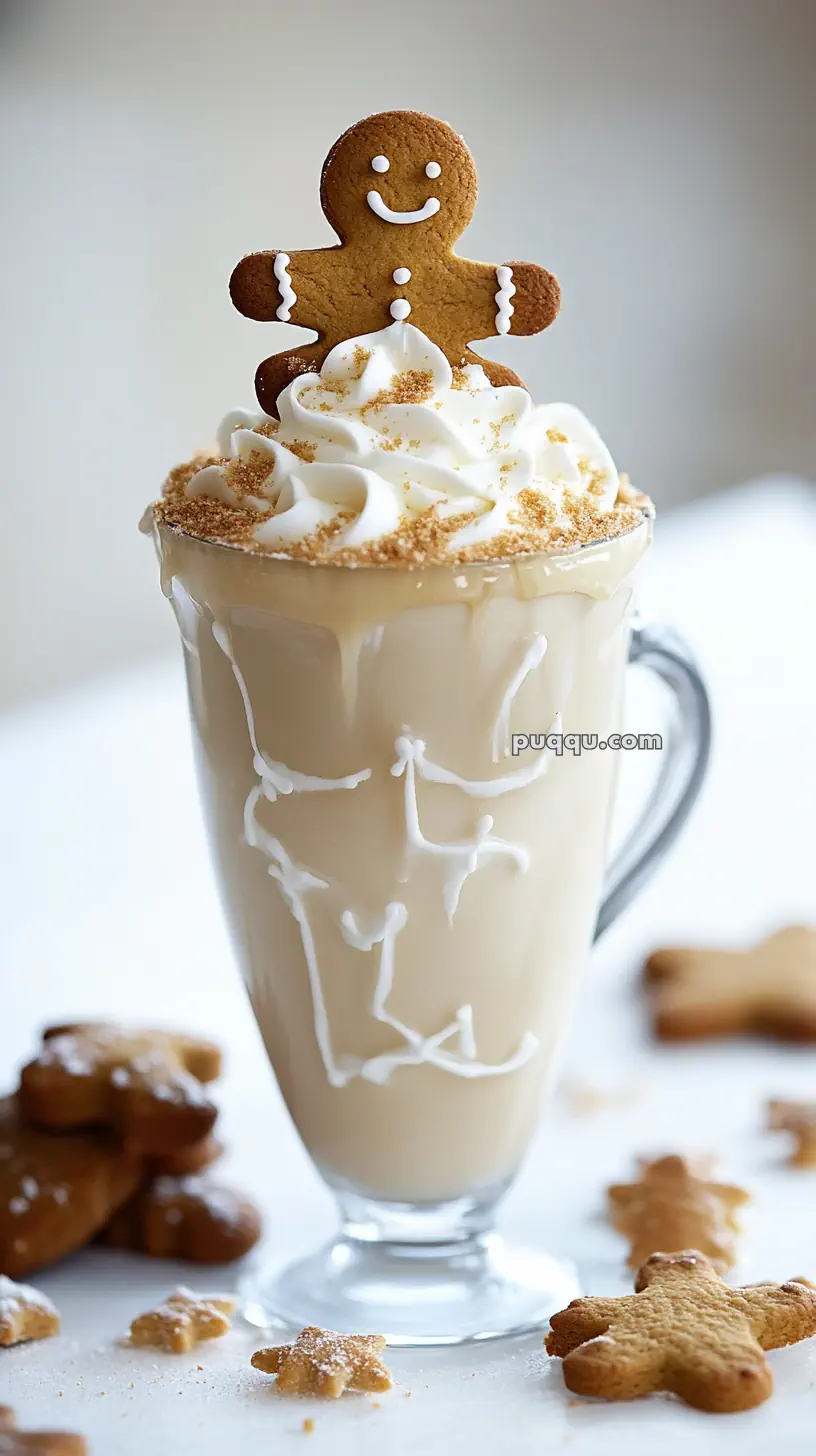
x: 278, y: 287
x: 511, y: 298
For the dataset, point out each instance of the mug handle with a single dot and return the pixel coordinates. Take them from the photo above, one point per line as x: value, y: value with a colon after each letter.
x: 686, y: 747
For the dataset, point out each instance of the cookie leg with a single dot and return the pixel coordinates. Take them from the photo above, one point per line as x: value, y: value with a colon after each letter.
x: 731, y: 1378
x: 608, y: 1368
x: 498, y: 374
x: 275, y: 373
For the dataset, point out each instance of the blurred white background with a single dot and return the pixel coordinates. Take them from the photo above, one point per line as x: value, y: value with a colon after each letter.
x: 657, y: 155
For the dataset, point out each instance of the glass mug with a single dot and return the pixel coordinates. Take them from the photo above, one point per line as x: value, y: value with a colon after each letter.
x: 411, y: 902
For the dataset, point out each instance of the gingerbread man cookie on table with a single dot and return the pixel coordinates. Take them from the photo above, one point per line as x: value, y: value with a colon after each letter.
x: 398, y: 188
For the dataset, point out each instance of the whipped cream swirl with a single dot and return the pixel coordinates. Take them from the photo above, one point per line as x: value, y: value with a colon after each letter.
x: 387, y: 430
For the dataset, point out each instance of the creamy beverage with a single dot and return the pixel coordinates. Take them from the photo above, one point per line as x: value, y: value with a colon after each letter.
x: 374, y: 593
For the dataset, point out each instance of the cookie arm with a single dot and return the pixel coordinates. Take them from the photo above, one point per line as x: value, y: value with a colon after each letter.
x: 582, y: 1320
x: 281, y: 286
x: 535, y: 302
x: 513, y: 298
x: 780, y: 1314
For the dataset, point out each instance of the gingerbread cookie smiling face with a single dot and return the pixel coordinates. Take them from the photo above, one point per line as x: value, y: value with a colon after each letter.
x: 409, y: 171
x: 398, y: 188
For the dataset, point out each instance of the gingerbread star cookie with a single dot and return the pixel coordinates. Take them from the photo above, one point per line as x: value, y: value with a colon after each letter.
x: 186, y: 1218
x: 25, y: 1314
x: 14, y: 1442
x: 671, y: 1208
x: 56, y: 1193
x: 144, y: 1085
x: 799, y: 1119
x: 321, y: 1362
x: 398, y: 188
x: 184, y: 1320
x: 770, y: 989
x: 683, y: 1330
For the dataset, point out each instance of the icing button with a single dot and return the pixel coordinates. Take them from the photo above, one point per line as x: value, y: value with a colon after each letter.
x: 401, y: 275
x: 400, y: 308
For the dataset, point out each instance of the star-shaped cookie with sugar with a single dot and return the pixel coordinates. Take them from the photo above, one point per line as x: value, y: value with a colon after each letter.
x: 769, y: 989
x: 670, y: 1207
x: 322, y: 1362
x: 25, y: 1314
x: 183, y: 1321
x: 685, y: 1331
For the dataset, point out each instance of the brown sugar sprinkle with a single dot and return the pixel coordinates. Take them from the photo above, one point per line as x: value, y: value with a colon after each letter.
x: 212, y: 519
x: 266, y: 427
x: 413, y: 386
x: 304, y: 449
x: 460, y: 379
x: 496, y: 427
x: 361, y: 358
x: 308, y: 1425
x: 537, y: 512
x: 535, y: 523
x: 557, y: 437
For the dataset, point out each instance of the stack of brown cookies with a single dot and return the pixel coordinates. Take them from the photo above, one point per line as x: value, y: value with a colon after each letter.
x: 108, y: 1137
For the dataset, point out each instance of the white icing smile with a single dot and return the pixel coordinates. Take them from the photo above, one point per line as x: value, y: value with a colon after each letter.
x: 388, y: 214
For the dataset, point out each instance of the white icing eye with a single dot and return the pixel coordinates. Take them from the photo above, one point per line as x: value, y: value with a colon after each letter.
x: 433, y: 169
x: 380, y: 164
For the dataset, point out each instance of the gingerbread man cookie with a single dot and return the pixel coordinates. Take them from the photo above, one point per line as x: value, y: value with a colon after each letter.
x: 398, y: 188
x: 56, y: 1193
x: 186, y: 1218
x: 145, y: 1085
x: 673, y: 1207
x: 683, y: 1330
x: 770, y: 989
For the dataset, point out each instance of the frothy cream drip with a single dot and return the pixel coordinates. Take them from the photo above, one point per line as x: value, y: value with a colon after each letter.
x: 381, y: 434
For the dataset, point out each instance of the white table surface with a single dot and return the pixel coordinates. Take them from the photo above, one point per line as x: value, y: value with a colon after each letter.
x: 107, y: 907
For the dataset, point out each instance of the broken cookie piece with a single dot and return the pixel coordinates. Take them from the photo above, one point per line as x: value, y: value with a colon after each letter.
x: 184, y: 1320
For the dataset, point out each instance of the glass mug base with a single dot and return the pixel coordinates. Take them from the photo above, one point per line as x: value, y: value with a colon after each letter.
x: 429, y: 1276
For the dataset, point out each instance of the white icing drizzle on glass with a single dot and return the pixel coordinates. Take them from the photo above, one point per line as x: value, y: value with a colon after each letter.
x: 388, y: 214
x: 287, y: 292
x: 506, y: 289
x: 401, y: 275
x: 532, y: 658
x: 521, y: 778
x: 295, y: 881
x: 419, y: 1049
x: 463, y: 859
x: 400, y: 309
